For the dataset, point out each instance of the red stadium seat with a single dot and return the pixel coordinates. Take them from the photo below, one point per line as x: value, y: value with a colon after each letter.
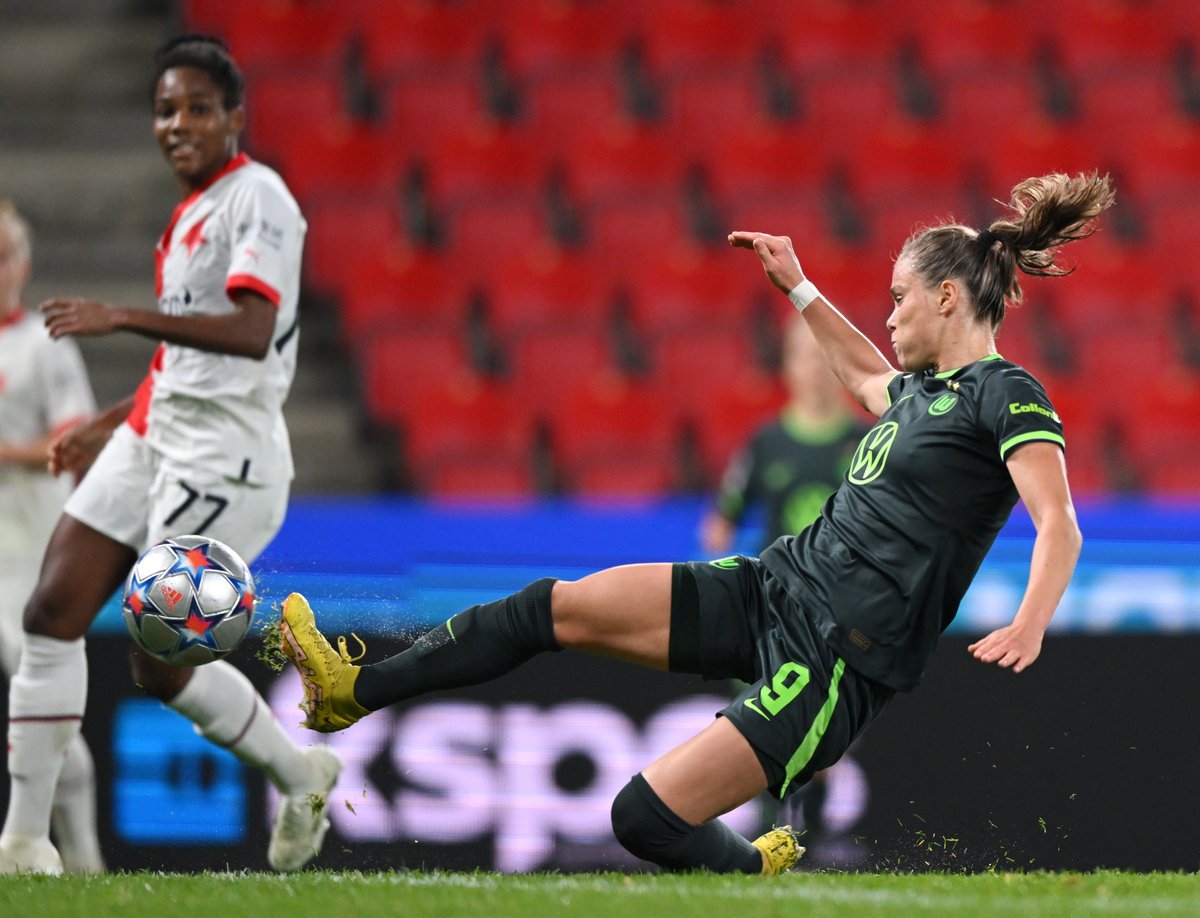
x: 549, y: 364
x: 629, y: 230
x: 841, y: 106
x: 341, y: 157
x: 276, y: 35
x: 694, y: 366
x: 568, y: 112
x: 421, y: 112
x: 275, y: 102
x: 549, y: 287
x: 488, y: 232
x: 763, y: 163
x: 337, y: 229
x: 628, y: 475
x: 627, y: 162
x: 561, y: 39
x: 401, y: 39
x: 486, y: 161
x: 504, y: 476
x: 686, y: 287
x: 714, y: 103
x: 610, y: 416
x: 402, y: 370
x: 686, y: 38
x: 465, y: 417
x: 391, y: 284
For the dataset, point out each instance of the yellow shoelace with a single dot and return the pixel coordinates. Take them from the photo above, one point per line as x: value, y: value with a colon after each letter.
x: 345, y: 654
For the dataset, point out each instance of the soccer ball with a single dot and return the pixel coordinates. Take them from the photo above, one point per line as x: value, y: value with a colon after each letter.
x: 188, y: 600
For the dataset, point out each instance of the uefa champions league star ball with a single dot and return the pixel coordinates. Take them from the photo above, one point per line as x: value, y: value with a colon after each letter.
x: 189, y: 600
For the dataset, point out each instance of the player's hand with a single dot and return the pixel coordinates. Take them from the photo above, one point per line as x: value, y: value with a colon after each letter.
x: 777, y: 256
x: 74, y: 450
x: 1012, y: 646
x: 74, y: 316
x: 716, y: 534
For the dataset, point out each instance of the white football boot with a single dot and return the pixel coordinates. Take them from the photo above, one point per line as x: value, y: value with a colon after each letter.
x: 301, y: 823
x: 29, y: 855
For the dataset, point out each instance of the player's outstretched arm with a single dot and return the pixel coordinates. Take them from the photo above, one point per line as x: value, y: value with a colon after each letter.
x: 244, y: 332
x: 863, y: 370
x: 1040, y: 474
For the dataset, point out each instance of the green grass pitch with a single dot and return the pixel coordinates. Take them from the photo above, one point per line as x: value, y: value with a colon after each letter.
x: 812, y: 895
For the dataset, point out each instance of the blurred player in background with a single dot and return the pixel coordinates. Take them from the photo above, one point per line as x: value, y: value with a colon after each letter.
x: 828, y: 625
x: 790, y: 466
x: 200, y: 448
x: 793, y: 463
x: 44, y: 391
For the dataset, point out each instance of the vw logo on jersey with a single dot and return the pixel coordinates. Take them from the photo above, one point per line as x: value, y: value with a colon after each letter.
x: 943, y: 404
x: 872, y: 453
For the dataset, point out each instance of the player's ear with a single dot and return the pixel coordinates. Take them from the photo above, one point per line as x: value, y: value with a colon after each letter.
x: 949, y: 292
x: 237, y: 120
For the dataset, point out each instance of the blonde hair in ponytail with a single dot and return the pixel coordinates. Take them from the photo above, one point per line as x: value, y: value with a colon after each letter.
x: 1047, y: 212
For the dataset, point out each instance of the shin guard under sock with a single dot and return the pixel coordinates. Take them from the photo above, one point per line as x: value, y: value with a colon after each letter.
x: 648, y: 828
x: 474, y: 646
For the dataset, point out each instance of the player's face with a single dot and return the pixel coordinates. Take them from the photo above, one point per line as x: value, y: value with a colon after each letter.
x: 195, y: 131
x: 913, y: 322
x: 804, y: 366
x: 14, y: 269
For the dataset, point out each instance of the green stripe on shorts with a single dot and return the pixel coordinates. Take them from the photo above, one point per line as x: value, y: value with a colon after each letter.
x: 804, y: 754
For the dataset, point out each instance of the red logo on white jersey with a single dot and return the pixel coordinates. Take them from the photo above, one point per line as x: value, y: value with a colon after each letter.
x: 194, y: 237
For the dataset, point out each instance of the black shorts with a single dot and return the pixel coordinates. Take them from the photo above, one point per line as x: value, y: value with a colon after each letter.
x: 802, y: 707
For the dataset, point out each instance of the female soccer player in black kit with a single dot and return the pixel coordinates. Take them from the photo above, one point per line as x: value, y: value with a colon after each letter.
x: 827, y: 625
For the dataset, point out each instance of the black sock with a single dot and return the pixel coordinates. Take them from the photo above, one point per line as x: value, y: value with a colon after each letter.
x: 812, y: 806
x: 474, y: 646
x: 647, y: 827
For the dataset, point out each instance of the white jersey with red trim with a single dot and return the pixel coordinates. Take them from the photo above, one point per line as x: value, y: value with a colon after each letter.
x: 243, y: 231
x: 43, y: 390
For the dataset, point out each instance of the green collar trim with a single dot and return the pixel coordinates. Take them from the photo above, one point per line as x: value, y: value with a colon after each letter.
x: 949, y: 373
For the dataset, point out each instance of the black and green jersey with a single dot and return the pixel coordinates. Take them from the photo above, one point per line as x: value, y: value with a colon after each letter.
x: 790, y: 468
x: 885, y: 565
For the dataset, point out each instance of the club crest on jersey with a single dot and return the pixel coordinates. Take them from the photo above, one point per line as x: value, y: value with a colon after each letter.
x: 872, y: 453
x: 943, y: 404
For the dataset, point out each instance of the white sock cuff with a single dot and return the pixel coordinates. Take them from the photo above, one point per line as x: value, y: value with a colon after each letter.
x: 220, y: 701
x: 51, y: 681
x: 39, y: 648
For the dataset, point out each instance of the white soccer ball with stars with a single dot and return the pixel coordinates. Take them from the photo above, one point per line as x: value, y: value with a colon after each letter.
x: 189, y: 600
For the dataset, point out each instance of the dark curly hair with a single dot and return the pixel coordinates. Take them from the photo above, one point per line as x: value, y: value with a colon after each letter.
x: 207, y: 53
x: 1047, y: 212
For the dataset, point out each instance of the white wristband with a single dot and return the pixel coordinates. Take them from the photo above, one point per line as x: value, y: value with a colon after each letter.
x: 803, y: 294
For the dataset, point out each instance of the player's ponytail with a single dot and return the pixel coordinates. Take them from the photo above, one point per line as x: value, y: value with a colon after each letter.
x: 1047, y: 212
x: 206, y: 53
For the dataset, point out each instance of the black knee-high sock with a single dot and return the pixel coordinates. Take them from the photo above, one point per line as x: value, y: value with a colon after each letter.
x: 649, y: 828
x: 476, y: 645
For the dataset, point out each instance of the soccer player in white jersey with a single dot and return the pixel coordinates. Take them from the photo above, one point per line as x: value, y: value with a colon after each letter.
x: 200, y: 448
x: 44, y: 390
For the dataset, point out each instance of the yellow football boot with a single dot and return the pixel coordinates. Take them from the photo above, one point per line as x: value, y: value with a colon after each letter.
x: 780, y: 849
x: 328, y: 675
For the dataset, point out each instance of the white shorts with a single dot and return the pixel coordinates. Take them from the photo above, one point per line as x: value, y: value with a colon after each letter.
x: 132, y: 496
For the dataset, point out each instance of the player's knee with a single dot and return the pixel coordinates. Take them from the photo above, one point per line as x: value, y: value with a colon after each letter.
x: 155, y: 678
x: 637, y: 823
x: 571, y: 626
x: 40, y: 616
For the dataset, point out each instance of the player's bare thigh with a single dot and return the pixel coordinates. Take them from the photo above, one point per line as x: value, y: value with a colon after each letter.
x: 712, y: 773
x: 622, y: 612
x: 82, y: 568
